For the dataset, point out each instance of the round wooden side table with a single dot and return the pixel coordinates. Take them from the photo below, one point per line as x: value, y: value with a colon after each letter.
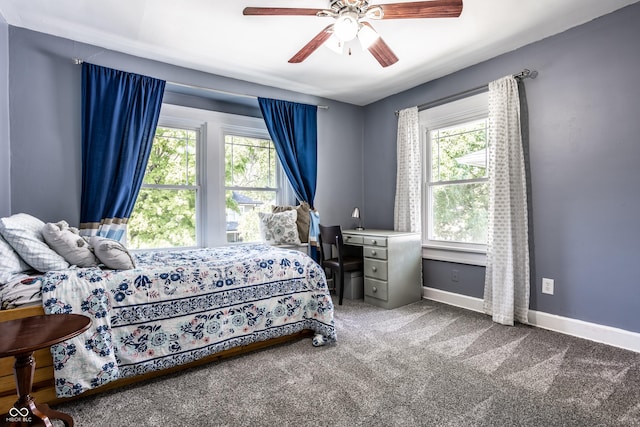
x: 20, y: 338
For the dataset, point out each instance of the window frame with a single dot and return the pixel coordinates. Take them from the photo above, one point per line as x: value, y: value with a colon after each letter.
x: 210, y: 164
x: 283, y: 190
x: 458, y: 112
x: 174, y: 123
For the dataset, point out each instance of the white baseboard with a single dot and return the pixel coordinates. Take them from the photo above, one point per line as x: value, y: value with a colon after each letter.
x: 565, y: 325
x: 458, y: 300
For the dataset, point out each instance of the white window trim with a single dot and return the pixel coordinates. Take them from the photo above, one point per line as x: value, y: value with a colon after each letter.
x: 456, y: 112
x: 212, y: 126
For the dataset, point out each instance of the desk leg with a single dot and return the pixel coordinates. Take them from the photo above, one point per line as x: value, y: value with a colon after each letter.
x: 39, y: 414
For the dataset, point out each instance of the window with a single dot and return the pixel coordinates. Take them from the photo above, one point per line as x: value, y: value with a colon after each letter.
x: 456, y: 192
x: 208, y: 175
x: 251, y: 184
x: 165, y: 211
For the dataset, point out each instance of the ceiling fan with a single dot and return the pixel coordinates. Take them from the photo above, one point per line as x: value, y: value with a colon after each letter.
x: 350, y: 22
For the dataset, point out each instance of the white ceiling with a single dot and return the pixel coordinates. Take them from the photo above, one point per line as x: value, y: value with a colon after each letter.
x: 215, y: 37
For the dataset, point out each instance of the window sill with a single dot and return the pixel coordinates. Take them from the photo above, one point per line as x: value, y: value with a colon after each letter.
x: 457, y: 255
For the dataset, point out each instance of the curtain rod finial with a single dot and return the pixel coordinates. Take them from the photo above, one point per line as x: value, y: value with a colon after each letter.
x: 77, y: 61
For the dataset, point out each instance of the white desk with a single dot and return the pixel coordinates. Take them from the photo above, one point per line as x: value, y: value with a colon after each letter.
x: 392, y: 266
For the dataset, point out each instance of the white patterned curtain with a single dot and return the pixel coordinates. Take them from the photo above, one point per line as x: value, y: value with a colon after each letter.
x: 409, y: 174
x: 506, y: 291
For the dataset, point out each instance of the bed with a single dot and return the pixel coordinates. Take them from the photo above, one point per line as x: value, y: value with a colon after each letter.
x: 173, y: 310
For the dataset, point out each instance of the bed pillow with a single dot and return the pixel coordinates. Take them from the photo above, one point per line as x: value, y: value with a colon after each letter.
x: 303, y: 220
x: 10, y: 262
x: 69, y: 244
x: 24, y: 233
x: 112, y: 253
x: 279, y: 228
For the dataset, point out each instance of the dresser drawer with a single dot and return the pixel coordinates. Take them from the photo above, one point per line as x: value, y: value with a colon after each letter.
x: 350, y: 239
x: 375, y: 252
x: 375, y: 268
x: 375, y: 241
x: 375, y: 289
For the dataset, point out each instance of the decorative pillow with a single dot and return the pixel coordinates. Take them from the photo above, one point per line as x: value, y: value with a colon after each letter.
x: 112, y: 253
x: 303, y: 220
x: 10, y: 262
x: 67, y: 242
x: 24, y: 233
x: 279, y: 228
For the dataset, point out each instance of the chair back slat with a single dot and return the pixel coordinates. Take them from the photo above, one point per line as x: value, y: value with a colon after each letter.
x: 331, y: 235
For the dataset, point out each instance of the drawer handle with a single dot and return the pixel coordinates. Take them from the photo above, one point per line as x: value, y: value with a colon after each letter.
x: 374, y: 289
x: 374, y: 253
x: 375, y: 242
x: 374, y: 268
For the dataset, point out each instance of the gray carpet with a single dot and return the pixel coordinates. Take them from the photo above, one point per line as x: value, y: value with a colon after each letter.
x: 425, y: 364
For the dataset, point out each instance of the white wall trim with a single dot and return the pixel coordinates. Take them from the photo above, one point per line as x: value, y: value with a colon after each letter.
x: 451, y: 298
x: 591, y: 331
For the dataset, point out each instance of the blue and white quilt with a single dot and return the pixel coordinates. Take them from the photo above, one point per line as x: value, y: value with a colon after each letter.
x: 179, y: 306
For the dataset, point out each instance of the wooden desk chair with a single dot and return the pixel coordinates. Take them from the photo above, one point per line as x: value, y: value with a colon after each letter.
x: 332, y: 237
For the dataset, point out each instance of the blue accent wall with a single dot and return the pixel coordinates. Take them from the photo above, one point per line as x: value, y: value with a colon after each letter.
x: 584, y: 113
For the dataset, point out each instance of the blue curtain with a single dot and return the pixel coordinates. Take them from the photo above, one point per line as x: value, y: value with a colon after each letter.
x: 293, y: 128
x: 119, y: 117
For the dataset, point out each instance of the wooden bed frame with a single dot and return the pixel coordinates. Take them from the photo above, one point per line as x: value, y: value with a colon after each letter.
x: 43, y: 381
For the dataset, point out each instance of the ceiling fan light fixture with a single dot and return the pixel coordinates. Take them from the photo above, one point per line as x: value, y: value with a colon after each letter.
x: 346, y: 26
x: 367, y: 36
x: 335, y: 44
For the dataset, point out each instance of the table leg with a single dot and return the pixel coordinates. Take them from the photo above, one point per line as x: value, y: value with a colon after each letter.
x: 23, y: 370
x: 52, y: 414
x: 39, y: 414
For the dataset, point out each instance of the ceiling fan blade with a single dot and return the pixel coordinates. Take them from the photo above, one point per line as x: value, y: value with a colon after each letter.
x: 423, y: 9
x: 380, y: 50
x: 310, y: 47
x: 280, y: 11
x: 383, y: 53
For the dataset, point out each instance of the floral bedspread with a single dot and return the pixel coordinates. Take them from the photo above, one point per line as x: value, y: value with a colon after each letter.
x: 178, y: 306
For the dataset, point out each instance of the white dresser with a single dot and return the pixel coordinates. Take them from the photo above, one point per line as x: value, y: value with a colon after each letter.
x: 392, y: 265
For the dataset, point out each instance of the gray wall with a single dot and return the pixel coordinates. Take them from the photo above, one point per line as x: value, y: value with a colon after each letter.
x: 584, y: 111
x: 438, y: 274
x: 46, y: 128
x: 5, y: 153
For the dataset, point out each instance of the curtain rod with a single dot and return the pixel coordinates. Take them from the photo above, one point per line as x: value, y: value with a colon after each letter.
x: 78, y: 61
x: 224, y: 92
x: 524, y: 74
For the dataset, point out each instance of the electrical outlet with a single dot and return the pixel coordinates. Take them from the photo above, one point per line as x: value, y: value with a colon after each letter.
x: 547, y: 286
x: 454, y: 275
